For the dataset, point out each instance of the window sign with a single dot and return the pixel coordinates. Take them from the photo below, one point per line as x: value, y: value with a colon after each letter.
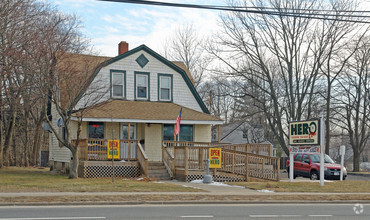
x: 96, y: 130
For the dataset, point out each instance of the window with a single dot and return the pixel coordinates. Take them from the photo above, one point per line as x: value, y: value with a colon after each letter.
x: 164, y: 87
x: 96, y: 130
x: 305, y: 158
x: 118, y: 84
x: 142, y: 85
x: 298, y: 158
x: 186, y: 132
x: 125, y: 131
x: 168, y: 131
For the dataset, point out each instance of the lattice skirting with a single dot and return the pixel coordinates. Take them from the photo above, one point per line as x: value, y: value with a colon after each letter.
x: 220, y: 177
x: 104, y: 170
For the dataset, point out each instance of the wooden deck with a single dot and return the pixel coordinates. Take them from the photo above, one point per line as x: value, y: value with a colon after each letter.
x: 187, y: 161
x: 183, y: 160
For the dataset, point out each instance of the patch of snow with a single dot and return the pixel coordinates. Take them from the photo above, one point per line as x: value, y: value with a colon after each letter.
x: 197, y: 181
x: 265, y: 191
x: 215, y: 184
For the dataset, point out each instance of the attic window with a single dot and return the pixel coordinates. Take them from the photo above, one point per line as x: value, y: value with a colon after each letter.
x: 142, y: 60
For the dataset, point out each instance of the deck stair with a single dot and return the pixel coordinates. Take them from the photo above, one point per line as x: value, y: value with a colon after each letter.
x: 157, y: 170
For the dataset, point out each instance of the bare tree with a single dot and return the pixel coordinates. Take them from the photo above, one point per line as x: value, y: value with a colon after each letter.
x: 186, y: 46
x: 354, y: 102
x: 281, y: 57
x: 275, y: 54
x: 17, y: 20
x: 336, y: 35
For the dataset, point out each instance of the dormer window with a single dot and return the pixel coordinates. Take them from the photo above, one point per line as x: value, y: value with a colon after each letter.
x: 118, y: 84
x: 142, y: 86
x: 165, y: 87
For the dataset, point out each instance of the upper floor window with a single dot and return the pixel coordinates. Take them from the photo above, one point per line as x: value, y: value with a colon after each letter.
x: 118, y: 84
x: 164, y: 87
x: 142, y: 85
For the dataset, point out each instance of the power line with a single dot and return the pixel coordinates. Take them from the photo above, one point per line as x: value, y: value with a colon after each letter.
x: 258, y: 10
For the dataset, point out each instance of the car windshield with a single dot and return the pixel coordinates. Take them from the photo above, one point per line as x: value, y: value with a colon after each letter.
x: 315, y: 158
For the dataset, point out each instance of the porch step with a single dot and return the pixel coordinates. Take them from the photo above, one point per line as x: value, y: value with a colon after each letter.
x: 157, y: 170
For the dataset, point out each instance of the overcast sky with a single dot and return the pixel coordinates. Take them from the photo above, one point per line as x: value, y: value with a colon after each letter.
x: 108, y: 23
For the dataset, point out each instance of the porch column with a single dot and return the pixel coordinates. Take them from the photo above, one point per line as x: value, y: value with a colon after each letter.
x: 129, y: 143
x: 129, y: 133
x: 219, y: 133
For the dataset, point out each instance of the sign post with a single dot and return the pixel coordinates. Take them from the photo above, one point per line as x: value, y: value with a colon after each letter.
x: 342, y: 152
x: 322, y: 150
x: 304, y: 136
x: 291, y: 163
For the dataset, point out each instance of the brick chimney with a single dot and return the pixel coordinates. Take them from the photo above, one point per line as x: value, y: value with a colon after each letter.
x: 122, y: 47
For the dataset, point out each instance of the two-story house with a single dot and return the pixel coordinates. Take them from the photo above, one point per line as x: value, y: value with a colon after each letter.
x: 143, y: 95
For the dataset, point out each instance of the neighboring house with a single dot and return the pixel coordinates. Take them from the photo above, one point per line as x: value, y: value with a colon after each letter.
x: 143, y: 96
x: 239, y: 133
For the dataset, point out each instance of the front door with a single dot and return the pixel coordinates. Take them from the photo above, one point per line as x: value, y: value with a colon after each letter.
x: 128, y: 150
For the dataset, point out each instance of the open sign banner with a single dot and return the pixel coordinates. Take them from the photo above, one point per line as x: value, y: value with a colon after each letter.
x: 214, y: 158
x: 304, y: 132
x: 113, y: 147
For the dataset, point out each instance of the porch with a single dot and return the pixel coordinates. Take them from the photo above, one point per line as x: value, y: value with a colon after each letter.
x: 182, y: 160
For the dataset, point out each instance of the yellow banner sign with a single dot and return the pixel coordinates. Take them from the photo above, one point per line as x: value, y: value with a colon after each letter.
x: 113, y: 147
x: 214, y: 157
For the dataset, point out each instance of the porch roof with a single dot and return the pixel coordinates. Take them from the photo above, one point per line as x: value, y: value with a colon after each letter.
x: 144, y: 112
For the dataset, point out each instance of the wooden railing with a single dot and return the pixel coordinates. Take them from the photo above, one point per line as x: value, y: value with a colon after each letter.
x: 168, y: 160
x: 192, y: 158
x: 261, y: 149
x: 96, y: 149
x: 142, y: 159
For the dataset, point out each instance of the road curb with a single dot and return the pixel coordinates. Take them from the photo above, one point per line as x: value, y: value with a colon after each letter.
x: 359, y: 174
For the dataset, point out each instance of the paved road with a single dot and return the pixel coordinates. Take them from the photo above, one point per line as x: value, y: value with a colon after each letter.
x: 259, y: 211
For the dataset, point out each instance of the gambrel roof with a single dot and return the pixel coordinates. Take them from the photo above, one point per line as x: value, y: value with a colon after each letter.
x: 173, y: 65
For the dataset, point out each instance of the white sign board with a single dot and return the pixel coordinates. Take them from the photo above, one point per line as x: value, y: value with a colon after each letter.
x: 304, y: 133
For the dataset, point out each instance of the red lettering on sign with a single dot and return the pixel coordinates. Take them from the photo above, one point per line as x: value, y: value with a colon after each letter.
x: 215, y: 153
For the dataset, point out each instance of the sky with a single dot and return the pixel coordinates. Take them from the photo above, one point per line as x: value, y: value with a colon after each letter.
x: 108, y: 23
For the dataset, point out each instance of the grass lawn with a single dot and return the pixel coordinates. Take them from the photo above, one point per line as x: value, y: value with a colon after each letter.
x: 16, y: 179
x: 347, y: 186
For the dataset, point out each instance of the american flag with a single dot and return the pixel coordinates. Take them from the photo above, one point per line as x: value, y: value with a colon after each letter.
x: 177, y: 126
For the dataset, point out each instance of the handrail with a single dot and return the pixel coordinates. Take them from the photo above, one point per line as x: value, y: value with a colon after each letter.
x: 168, y: 160
x: 142, y: 159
